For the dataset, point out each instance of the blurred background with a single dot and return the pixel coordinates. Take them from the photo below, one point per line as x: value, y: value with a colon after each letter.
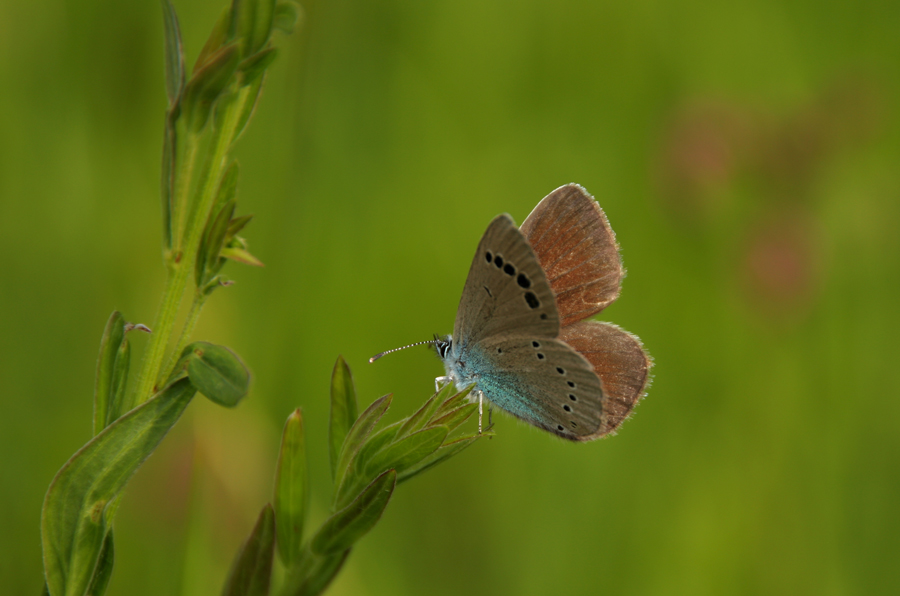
x: 746, y: 154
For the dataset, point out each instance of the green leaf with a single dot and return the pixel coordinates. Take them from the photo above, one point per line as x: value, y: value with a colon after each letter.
x: 73, y: 519
x: 286, y: 16
x: 451, y: 404
x: 291, y: 490
x: 228, y: 186
x: 117, y: 404
x: 454, y: 418
x: 213, y: 240
x: 113, y: 336
x: 253, y: 23
x: 255, y: 66
x: 237, y: 224
x: 253, y: 91
x: 408, y: 451
x: 207, y: 85
x: 344, y: 528
x: 240, y: 255
x: 343, y: 410
x: 444, y: 453
x: 252, y: 569
x: 104, y: 569
x: 174, y: 55
x: 311, y: 578
x: 218, y: 37
x: 373, y: 445
x: 217, y: 372
x: 167, y: 176
x: 355, y: 438
x: 418, y: 420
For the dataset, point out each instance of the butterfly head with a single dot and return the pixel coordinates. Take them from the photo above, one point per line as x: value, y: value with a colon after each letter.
x: 443, y: 345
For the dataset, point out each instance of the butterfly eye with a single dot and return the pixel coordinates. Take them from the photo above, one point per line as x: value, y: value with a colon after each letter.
x: 535, y: 344
x: 572, y: 397
x: 561, y: 371
x: 540, y: 356
x: 559, y: 427
x: 571, y: 384
x: 567, y: 408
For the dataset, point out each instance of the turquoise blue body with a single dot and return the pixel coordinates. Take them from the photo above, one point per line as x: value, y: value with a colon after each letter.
x: 468, y: 365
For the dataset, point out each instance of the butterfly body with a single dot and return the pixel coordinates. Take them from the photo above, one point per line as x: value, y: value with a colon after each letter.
x: 509, y: 339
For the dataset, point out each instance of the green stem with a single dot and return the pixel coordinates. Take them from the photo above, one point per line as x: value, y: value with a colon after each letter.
x: 183, y: 185
x: 183, y: 262
x: 189, y: 324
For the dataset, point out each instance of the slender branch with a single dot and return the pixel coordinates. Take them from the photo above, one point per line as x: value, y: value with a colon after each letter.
x: 183, y: 263
x: 187, y: 330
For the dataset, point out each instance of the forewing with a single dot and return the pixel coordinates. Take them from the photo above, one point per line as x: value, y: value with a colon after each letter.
x: 577, y: 250
x: 619, y: 360
x: 506, y: 290
x: 544, y: 382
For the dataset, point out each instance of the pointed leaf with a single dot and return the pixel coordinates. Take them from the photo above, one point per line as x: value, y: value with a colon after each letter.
x: 104, y: 569
x: 252, y: 569
x: 174, y: 55
x: 286, y: 16
x: 218, y: 37
x: 291, y: 490
x: 237, y: 224
x: 454, y: 418
x: 253, y: 23
x: 212, y: 242
x: 255, y: 66
x: 408, y: 451
x: 167, y: 177
x: 228, y: 185
x: 444, y: 453
x: 423, y: 415
x: 253, y: 91
x: 312, y: 578
x: 344, y: 528
x: 355, y: 438
x: 73, y: 519
x: 217, y: 373
x: 113, y: 335
x: 451, y: 404
x: 343, y: 409
x: 118, y: 405
x: 374, y: 444
x: 240, y: 255
x: 207, y: 85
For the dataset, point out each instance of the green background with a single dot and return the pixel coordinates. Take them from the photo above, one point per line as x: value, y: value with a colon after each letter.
x: 748, y: 157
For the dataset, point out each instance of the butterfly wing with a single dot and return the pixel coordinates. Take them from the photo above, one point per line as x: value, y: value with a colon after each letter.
x: 506, y: 290
x: 542, y: 381
x: 577, y: 250
x: 619, y: 360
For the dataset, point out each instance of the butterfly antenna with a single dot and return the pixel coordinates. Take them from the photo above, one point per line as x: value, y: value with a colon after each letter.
x: 377, y: 356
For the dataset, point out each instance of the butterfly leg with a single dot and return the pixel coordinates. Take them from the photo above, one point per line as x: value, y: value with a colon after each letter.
x: 440, y: 382
x: 480, y: 409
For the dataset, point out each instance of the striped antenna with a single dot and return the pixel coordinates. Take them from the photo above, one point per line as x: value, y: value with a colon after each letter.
x: 377, y: 356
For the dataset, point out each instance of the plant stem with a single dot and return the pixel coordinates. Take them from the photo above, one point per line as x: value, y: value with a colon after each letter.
x: 183, y: 262
x: 182, y: 191
x: 189, y: 324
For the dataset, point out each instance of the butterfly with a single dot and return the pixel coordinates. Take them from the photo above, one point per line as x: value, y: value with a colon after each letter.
x: 521, y: 338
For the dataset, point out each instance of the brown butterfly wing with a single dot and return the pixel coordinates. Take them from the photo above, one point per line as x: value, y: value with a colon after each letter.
x: 577, y: 250
x: 618, y: 359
